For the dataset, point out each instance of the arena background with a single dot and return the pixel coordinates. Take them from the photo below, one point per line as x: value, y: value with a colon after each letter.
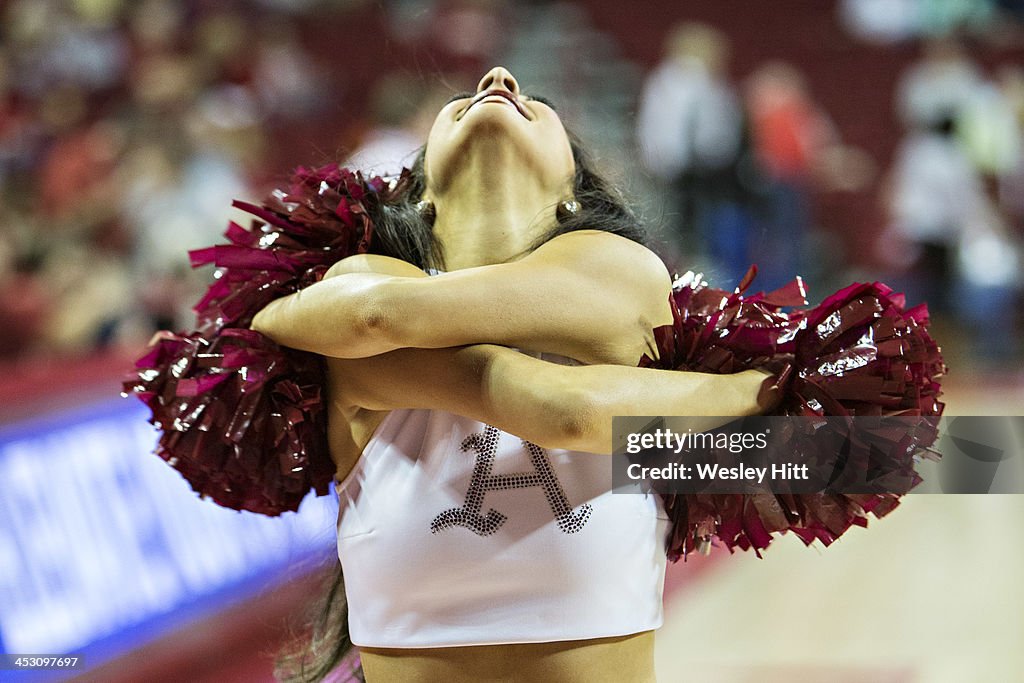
x: 873, y: 139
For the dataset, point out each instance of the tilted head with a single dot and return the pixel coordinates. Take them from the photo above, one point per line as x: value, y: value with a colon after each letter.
x: 498, y: 129
x: 491, y: 126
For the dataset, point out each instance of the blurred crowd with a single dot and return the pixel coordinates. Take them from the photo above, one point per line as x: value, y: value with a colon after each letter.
x: 127, y: 127
x: 956, y: 193
x: 742, y: 165
x: 124, y: 126
x: 738, y: 163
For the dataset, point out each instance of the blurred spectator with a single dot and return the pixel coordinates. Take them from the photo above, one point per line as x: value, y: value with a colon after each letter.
x: 961, y: 259
x: 886, y: 21
x: 76, y: 173
x: 19, y: 134
x: 990, y: 127
x: 939, y: 86
x: 287, y: 80
x: 25, y: 302
x: 92, y: 292
x: 1011, y: 179
x: 988, y: 289
x: 469, y: 32
x: 881, y: 21
x: 965, y: 137
x: 156, y: 25
x: 177, y: 202
x: 793, y: 138
x: 690, y: 129
x: 936, y: 193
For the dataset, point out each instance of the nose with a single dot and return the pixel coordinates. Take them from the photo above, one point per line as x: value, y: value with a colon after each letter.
x: 498, y: 77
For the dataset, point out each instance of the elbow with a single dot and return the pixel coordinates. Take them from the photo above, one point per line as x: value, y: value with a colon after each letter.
x: 576, y: 429
x: 573, y: 419
x: 262, y: 322
x: 371, y: 319
x: 341, y: 324
x: 363, y: 324
x: 258, y: 324
x: 377, y: 321
x: 550, y: 405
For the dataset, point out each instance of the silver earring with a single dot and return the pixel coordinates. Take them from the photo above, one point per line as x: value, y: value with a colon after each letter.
x: 426, y: 210
x: 567, y: 209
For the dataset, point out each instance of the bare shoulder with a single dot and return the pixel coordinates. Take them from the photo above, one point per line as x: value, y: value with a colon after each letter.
x: 597, y: 247
x: 615, y: 264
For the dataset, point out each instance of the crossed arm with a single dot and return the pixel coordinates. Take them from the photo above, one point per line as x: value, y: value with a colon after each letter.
x: 425, y: 350
x: 553, y: 406
x: 588, y: 295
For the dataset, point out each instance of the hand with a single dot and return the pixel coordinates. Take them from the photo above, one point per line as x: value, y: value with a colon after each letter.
x: 773, y: 387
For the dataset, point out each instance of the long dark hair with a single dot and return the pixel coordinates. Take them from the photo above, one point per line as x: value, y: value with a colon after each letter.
x: 404, y: 231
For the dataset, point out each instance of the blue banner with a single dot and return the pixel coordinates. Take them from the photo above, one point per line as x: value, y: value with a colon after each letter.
x: 103, y: 546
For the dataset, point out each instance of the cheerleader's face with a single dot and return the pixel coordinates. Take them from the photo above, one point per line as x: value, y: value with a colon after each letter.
x: 498, y: 128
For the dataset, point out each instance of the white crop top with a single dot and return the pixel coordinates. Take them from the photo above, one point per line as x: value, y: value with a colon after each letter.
x: 452, y: 532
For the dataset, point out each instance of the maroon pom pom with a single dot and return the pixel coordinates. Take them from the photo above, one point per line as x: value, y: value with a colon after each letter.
x: 242, y: 418
x: 858, y: 353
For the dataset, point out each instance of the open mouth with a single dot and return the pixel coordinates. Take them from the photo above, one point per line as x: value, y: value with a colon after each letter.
x: 504, y: 94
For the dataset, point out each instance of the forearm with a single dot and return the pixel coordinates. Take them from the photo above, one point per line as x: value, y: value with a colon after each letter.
x: 346, y: 316
x: 709, y: 400
x: 572, y: 406
x: 619, y: 390
x: 595, y: 298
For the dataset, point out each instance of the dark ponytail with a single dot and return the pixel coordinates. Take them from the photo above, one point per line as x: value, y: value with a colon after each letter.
x: 324, y: 643
x: 401, y: 229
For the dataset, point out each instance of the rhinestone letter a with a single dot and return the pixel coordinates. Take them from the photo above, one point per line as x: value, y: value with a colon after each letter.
x: 469, y: 515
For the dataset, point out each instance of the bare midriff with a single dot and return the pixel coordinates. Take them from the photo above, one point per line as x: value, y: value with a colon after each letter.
x: 602, y: 660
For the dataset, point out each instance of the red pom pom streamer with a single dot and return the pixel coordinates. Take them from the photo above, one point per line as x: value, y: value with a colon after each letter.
x: 242, y: 418
x: 859, y: 353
